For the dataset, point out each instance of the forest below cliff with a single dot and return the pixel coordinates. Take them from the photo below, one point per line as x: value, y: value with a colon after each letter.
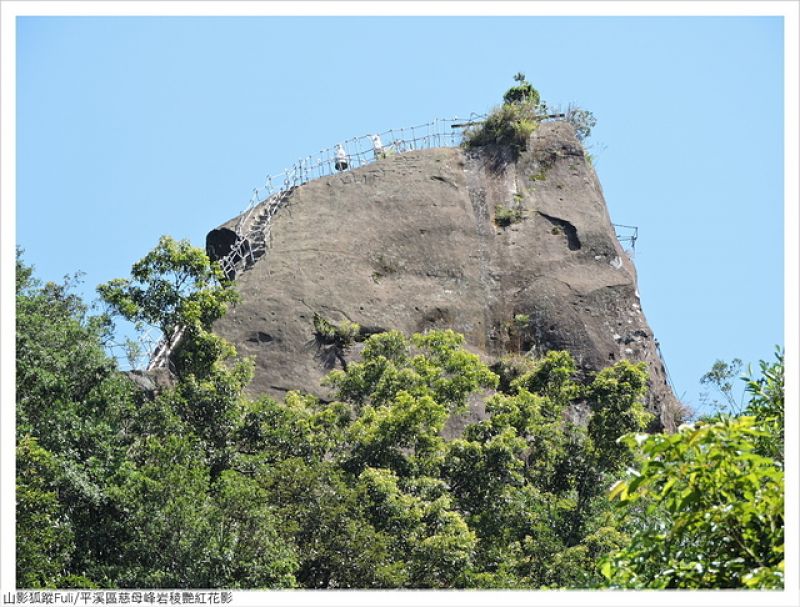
x: 196, y: 485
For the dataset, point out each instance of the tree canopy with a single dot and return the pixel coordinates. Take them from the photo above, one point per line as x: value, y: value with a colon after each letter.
x: 426, y: 469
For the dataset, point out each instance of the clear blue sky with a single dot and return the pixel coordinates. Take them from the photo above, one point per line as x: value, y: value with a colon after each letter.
x: 130, y: 128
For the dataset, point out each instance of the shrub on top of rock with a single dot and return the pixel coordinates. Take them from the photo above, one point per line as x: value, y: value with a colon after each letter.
x: 512, y: 123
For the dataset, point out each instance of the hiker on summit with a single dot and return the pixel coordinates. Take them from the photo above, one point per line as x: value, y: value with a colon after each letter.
x: 341, y: 158
x: 377, y: 147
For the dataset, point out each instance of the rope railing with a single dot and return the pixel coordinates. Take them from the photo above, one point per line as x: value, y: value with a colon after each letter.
x: 138, y: 353
x: 253, y: 230
x: 252, y: 237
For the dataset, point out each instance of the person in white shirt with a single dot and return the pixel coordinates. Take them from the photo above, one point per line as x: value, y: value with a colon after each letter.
x: 341, y: 158
x: 377, y: 147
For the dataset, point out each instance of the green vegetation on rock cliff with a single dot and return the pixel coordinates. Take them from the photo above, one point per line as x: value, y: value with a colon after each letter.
x: 510, y: 125
x: 202, y: 486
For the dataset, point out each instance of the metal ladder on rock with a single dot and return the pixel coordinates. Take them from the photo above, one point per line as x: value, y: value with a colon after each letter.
x: 250, y: 246
x: 253, y: 234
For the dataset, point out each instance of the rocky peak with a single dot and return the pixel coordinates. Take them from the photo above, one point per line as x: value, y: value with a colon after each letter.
x: 517, y: 254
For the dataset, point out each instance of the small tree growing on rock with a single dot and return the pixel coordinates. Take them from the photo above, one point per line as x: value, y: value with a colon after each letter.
x: 512, y: 123
x: 522, y: 92
x: 333, y: 341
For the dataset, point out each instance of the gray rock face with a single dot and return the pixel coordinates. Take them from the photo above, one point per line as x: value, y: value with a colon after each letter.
x: 415, y: 242
x: 152, y: 382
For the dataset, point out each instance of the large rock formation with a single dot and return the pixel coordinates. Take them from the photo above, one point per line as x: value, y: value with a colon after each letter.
x: 417, y: 241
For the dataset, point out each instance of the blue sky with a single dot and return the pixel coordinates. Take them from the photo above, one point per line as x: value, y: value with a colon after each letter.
x: 129, y: 128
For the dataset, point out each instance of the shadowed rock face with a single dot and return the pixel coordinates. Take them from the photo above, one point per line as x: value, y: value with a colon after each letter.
x: 411, y: 243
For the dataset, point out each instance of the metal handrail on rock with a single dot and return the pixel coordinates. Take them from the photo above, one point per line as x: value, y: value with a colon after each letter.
x: 253, y: 231
x: 359, y: 151
x: 160, y: 356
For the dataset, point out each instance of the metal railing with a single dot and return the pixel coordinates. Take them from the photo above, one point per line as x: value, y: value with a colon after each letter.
x: 253, y: 228
x: 252, y: 238
x: 136, y: 353
x: 627, y: 235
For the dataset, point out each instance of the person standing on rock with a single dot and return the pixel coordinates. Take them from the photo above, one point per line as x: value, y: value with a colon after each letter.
x: 377, y: 147
x: 341, y: 158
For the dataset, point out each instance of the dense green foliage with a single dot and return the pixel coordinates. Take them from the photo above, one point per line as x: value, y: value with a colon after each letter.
x: 69, y: 397
x: 706, y: 503
x: 510, y: 125
x: 522, y: 92
x: 767, y: 406
x: 171, y: 286
x: 711, y: 511
x: 174, y: 287
x: 201, y: 486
